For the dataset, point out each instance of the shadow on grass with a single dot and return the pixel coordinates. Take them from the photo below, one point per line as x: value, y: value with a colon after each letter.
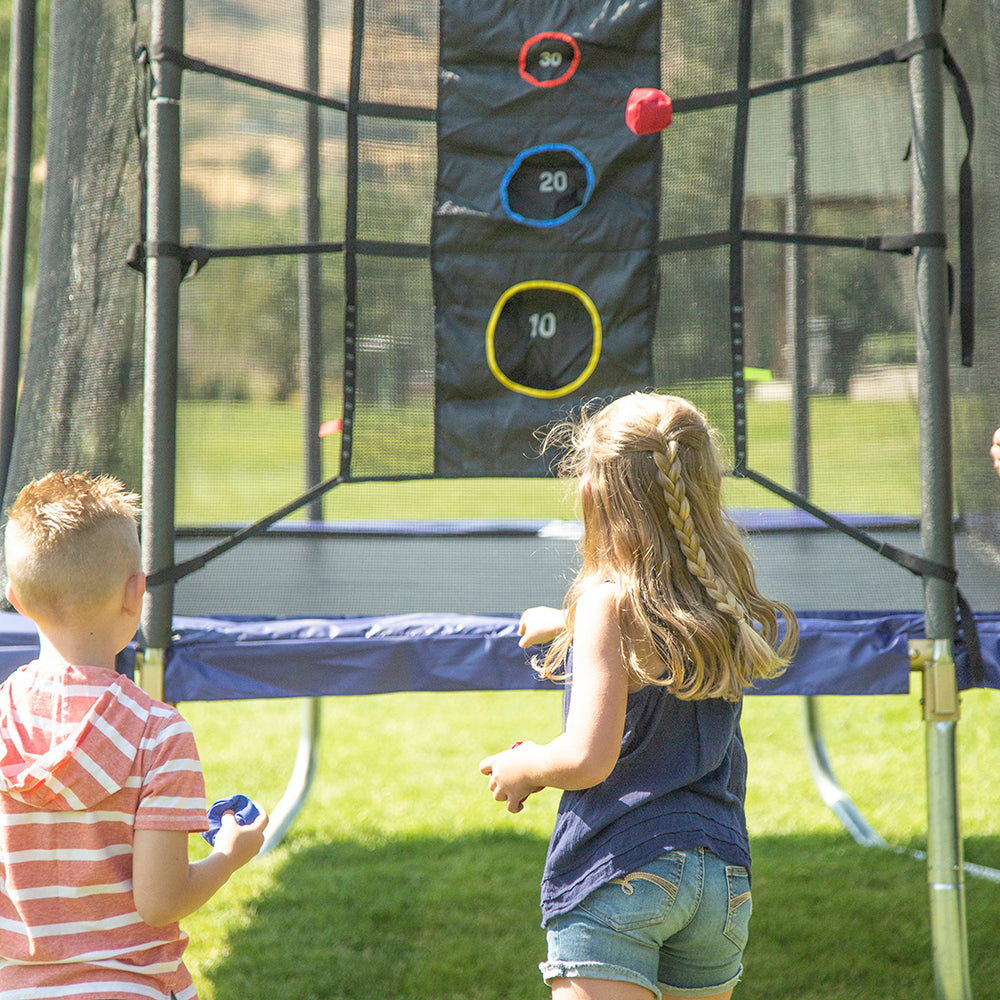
x: 439, y: 919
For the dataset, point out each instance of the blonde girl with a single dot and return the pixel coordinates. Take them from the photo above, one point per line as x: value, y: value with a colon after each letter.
x: 646, y: 889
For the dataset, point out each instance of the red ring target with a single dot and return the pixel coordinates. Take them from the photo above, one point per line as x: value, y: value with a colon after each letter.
x: 549, y: 59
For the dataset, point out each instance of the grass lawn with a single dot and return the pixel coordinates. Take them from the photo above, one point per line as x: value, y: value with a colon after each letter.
x: 863, y: 459
x: 402, y: 878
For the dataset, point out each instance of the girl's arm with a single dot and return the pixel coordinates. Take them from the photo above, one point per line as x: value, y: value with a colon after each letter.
x: 587, y: 750
x: 540, y: 625
x: 166, y: 887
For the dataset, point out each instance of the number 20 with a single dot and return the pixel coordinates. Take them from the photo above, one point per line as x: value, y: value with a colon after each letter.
x: 553, y: 180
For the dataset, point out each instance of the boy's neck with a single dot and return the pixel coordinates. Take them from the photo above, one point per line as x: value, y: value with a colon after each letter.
x: 87, y: 634
x: 86, y: 649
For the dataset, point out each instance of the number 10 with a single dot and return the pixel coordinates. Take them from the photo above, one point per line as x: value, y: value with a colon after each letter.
x: 542, y: 325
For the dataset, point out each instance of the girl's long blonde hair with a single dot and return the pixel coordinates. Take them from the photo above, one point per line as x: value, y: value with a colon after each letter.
x: 690, y: 613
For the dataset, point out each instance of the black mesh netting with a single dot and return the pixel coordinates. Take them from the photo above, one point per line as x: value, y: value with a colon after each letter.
x: 81, y: 401
x: 492, y: 246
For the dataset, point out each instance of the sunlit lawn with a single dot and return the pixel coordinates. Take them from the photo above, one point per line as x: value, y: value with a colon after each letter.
x: 401, y: 877
x: 239, y: 461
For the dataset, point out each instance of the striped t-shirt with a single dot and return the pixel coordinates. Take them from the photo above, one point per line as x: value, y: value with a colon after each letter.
x: 87, y: 758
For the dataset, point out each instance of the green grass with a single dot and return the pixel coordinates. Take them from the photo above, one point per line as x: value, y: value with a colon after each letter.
x: 225, y: 447
x: 864, y: 455
x: 239, y: 461
x: 402, y: 878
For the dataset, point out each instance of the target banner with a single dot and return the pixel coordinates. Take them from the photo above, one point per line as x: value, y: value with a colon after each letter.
x: 545, y: 223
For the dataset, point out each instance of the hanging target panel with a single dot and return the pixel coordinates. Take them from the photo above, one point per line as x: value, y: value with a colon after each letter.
x: 545, y: 223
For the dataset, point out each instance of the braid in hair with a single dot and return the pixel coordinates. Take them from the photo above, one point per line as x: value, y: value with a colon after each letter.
x: 679, y: 511
x: 691, y: 616
x: 753, y: 653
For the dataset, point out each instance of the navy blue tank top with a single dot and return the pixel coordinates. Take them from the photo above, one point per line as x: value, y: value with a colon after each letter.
x: 680, y: 783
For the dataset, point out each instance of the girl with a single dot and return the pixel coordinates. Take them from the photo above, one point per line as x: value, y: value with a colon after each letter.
x: 646, y: 889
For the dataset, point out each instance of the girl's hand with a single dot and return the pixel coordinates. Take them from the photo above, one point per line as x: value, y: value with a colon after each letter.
x: 508, y: 779
x: 540, y: 625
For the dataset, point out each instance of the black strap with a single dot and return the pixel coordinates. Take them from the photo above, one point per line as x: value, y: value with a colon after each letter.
x: 194, y: 257
x: 966, y: 221
x: 177, y: 571
x: 901, y: 53
x: 913, y: 563
x: 403, y: 112
x: 171, y: 574
x: 970, y: 633
x: 736, y: 204
x: 903, y: 243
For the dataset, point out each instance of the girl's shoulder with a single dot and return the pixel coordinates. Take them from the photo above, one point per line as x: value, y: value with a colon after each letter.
x: 602, y: 595
x: 596, y: 618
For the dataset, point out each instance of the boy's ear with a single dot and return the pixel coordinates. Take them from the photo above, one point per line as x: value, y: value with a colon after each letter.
x: 135, y: 587
x: 12, y: 597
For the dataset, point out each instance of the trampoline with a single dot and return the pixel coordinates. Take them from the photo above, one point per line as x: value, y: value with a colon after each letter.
x: 375, y: 242
x: 443, y: 638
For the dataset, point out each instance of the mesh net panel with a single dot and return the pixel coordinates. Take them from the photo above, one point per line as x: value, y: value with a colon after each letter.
x: 243, y: 156
x: 976, y: 390
x: 246, y: 436
x: 81, y: 402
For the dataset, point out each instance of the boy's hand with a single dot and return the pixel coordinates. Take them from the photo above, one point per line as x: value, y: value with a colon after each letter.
x: 241, y: 843
x: 540, y: 625
x: 167, y: 886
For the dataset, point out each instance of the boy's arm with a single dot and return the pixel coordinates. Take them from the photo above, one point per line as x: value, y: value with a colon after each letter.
x: 167, y: 887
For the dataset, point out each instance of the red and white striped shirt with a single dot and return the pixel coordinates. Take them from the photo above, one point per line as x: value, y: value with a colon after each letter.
x: 87, y: 758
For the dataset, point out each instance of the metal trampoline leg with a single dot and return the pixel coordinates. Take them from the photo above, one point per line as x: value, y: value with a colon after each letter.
x: 945, y: 881
x: 829, y: 788
x: 150, y: 671
x: 301, y: 778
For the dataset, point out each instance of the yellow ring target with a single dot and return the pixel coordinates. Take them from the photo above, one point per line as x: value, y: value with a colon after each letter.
x: 595, y: 353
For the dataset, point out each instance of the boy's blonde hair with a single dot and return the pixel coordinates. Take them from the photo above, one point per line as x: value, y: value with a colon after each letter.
x: 654, y: 525
x: 71, y: 541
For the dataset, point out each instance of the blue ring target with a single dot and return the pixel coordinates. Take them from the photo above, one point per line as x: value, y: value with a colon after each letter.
x: 547, y: 185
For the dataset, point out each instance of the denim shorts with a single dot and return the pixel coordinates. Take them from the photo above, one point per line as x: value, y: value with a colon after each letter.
x: 678, y: 923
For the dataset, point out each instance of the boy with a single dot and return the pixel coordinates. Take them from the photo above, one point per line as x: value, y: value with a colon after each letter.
x: 100, y: 785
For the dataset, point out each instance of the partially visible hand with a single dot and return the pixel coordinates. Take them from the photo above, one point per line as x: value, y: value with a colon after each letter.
x: 995, y: 450
x: 241, y: 843
x: 508, y: 780
x: 540, y: 625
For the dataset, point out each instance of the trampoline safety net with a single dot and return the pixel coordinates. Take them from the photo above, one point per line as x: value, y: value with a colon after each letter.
x: 416, y: 233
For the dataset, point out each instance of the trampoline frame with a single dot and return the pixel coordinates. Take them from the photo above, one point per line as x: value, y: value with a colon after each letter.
x: 945, y: 862
x: 933, y: 657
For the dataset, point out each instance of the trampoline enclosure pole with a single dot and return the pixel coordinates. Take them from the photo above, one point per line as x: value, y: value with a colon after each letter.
x: 162, y: 302
x: 15, y: 218
x: 796, y: 260
x: 944, y: 847
x: 310, y: 291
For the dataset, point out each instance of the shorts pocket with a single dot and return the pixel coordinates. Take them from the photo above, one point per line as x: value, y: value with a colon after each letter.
x: 740, y: 905
x: 640, y: 898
